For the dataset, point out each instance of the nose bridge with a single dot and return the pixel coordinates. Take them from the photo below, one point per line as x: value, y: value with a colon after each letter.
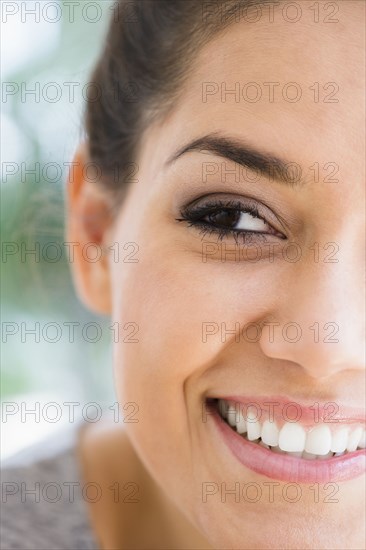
x: 320, y: 324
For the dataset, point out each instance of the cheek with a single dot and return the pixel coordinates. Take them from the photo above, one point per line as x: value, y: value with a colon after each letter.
x: 168, y: 296
x: 174, y: 305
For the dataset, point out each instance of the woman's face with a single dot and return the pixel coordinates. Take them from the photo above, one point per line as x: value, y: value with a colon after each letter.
x: 248, y: 284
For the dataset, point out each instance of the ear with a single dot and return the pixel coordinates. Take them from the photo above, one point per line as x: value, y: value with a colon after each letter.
x: 88, y: 229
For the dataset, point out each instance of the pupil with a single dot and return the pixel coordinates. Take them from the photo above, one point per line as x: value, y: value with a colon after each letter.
x: 228, y: 218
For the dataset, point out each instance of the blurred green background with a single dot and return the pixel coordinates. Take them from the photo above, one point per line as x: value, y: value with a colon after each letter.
x: 45, y: 51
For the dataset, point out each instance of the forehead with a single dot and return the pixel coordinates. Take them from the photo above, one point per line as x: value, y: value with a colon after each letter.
x: 293, y: 88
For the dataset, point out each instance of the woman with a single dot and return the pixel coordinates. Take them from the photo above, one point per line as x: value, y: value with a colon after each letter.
x: 228, y: 140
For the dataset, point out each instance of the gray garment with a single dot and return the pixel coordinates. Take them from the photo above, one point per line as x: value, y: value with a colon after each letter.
x: 47, y: 510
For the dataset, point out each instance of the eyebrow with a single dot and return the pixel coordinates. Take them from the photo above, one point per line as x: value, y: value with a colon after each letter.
x: 241, y: 153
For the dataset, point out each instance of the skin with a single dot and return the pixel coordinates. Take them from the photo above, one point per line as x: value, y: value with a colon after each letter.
x: 170, y: 292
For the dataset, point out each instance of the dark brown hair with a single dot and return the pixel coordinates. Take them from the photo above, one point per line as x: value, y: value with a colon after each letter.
x: 149, y: 48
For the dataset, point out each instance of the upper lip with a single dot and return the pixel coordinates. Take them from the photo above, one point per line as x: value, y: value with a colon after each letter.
x: 310, y: 412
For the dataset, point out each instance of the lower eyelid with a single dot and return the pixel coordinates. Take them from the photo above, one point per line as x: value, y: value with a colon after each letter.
x: 246, y: 236
x: 271, y: 232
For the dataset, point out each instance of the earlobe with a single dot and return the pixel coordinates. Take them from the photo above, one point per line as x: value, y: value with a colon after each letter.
x: 88, y: 227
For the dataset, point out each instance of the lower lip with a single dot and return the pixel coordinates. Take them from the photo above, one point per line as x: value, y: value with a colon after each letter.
x: 288, y: 468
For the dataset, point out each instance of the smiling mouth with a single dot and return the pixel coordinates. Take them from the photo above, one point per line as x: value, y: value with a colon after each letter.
x: 320, y: 441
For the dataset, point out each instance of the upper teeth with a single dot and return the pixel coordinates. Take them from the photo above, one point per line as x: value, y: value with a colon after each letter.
x: 319, y: 440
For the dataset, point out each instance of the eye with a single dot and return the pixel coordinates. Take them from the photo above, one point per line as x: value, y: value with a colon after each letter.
x: 245, y: 219
x: 238, y: 220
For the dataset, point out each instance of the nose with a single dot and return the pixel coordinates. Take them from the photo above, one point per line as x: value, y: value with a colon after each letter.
x: 319, y: 320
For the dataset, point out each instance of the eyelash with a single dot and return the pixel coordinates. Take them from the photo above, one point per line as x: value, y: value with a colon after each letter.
x: 193, y: 217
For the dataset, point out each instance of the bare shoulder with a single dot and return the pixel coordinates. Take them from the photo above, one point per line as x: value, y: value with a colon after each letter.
x: 107, y: 445
x: 110, y: 465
